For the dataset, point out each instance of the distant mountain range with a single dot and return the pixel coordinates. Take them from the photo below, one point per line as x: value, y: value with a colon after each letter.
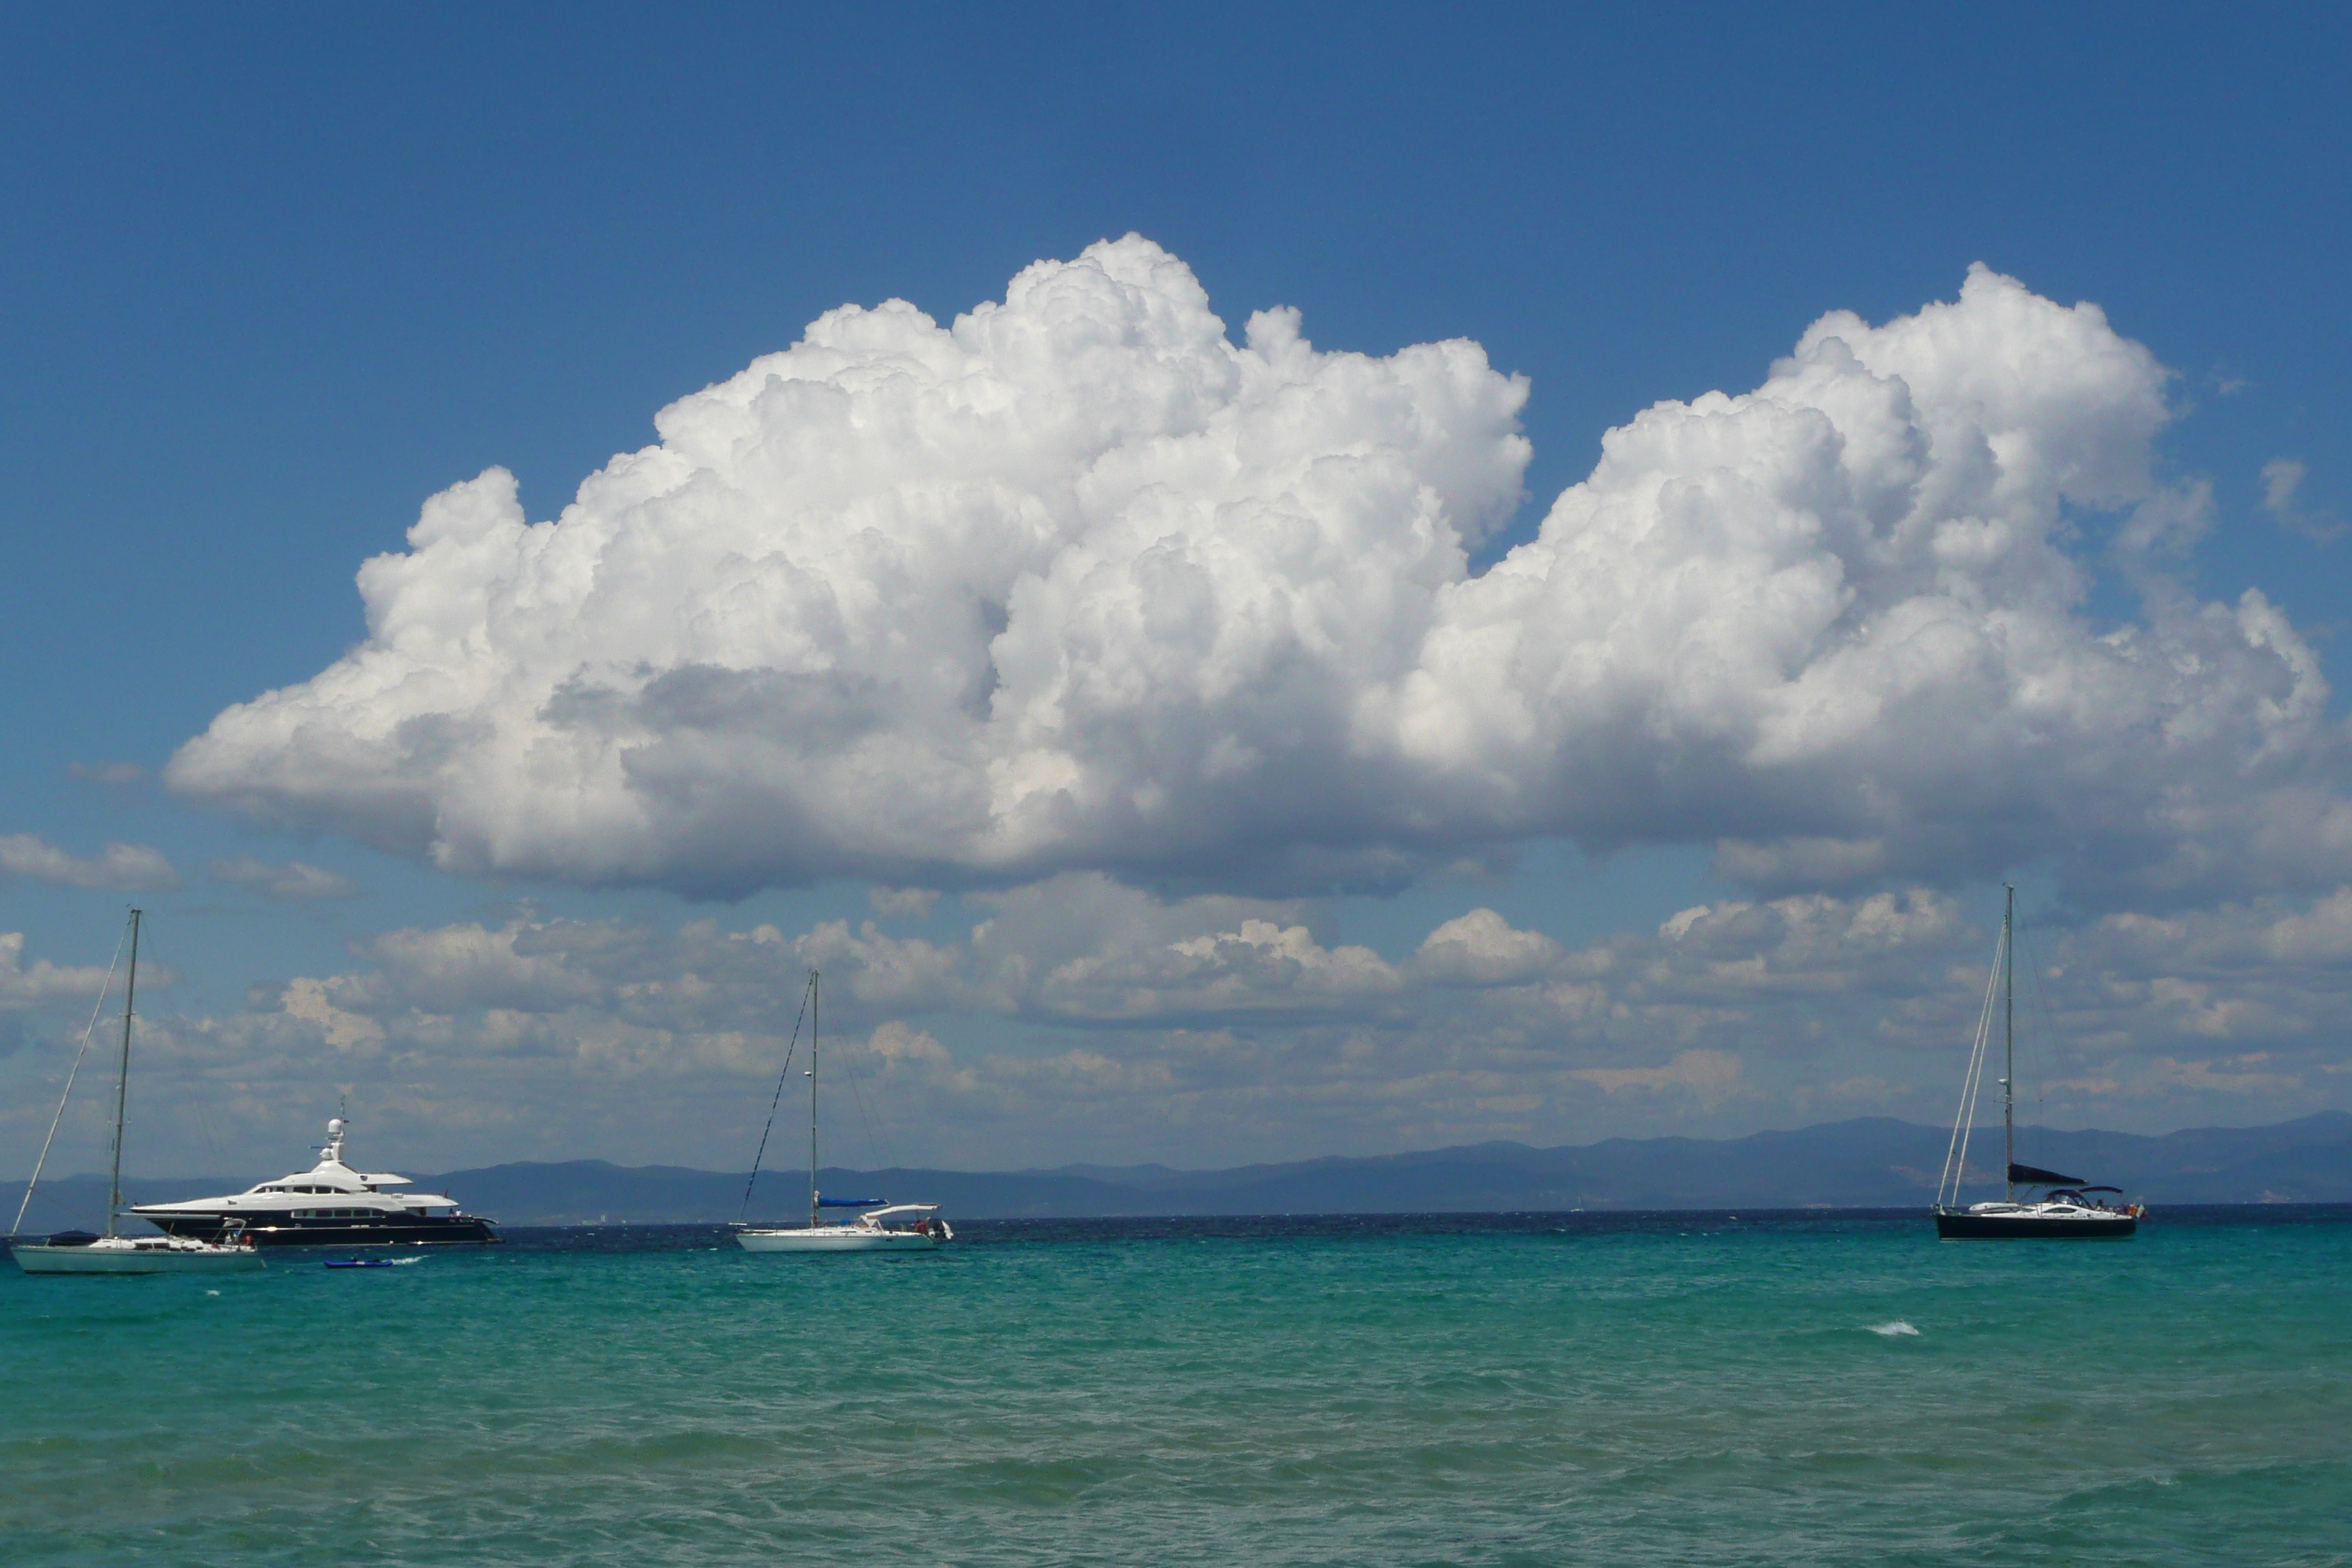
x: 1871, y: 1162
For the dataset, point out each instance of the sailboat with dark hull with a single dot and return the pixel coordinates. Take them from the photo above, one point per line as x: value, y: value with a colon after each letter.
x: 2067, y: 1210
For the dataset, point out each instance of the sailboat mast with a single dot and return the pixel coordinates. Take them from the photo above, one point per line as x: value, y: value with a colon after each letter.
x: 123, y: 1081
x: 813, y: 1026
x: 2008, y: 1042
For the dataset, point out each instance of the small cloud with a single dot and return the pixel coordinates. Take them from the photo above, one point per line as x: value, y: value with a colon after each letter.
x: 42, y: 984
x: 912, y: 903
x: 2227, y: 383
x: 123, y: 866
x: 1800, y: 862
x: 2281, y: 480
x: 902, y: 1049
x: 1711, y: 1075
x: 311, y: 1002
x: 293, y: 880
x: 1482, y: 948
x: 113, y: 775
x: 2282, y: 477
x: 2218, y: 1076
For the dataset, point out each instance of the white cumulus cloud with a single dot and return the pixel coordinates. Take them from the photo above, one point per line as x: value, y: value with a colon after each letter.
x: 296, y: 879
x: 1076, y: 581
x: 2281, y: 480
x: 43, y: 983
x: 124, y: 867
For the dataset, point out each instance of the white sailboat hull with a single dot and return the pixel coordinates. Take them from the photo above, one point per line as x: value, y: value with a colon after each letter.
x: 835, y: 1238
x: 140, y: 1256
x: 873, y: 1231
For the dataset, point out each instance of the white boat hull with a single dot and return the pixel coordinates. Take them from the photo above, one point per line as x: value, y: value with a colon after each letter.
x: 835, y: 1238
x: 135, y: 1258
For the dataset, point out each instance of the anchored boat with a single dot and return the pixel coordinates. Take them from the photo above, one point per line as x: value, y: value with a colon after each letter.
x: 2067, y: 1210
x: 883, y: 1227
x: 79, y: 1251
x: 331, y: 1205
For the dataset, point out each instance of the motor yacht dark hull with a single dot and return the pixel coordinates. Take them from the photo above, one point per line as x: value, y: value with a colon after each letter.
x: 2035, y: 1228
x: 331, y: 1205
x: 279, y: 1230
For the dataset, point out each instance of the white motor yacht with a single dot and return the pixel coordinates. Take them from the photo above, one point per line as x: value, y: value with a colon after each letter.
x: 330, y: 1205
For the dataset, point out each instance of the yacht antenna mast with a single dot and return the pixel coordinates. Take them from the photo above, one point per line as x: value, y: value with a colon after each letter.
x: 123, y: 1081
x: 2008, y: 1042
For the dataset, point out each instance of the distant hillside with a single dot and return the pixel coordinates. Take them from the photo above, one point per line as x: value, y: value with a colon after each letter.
x: 1872, y: 1162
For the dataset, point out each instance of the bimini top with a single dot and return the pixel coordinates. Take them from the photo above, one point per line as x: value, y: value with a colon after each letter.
x: 898, y: 1208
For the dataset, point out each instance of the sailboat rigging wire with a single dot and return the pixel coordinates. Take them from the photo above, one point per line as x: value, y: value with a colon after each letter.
x: 782, y: 1077
x: 2054, y: 1040
x: 873, y: 1140
x: 196, y: 1110
x: 88, y: 1030
x: 1956, y: 1154
x: 1976, y: 1078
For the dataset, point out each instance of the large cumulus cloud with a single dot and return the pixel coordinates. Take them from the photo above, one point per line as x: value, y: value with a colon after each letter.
x: 1076, y: 581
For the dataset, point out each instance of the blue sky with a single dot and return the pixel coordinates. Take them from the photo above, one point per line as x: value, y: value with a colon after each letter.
x: 278, y: 277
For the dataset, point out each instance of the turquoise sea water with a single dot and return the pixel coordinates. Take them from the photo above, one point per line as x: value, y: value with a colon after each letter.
x: 1674, y: 1389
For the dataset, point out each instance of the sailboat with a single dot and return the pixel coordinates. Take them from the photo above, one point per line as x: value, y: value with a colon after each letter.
x: 78, y: 1252
x: 2067, y: 1209
x: 883, y: 1227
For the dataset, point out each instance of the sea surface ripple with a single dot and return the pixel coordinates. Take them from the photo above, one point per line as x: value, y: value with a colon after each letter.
x: 1689, y: 1388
